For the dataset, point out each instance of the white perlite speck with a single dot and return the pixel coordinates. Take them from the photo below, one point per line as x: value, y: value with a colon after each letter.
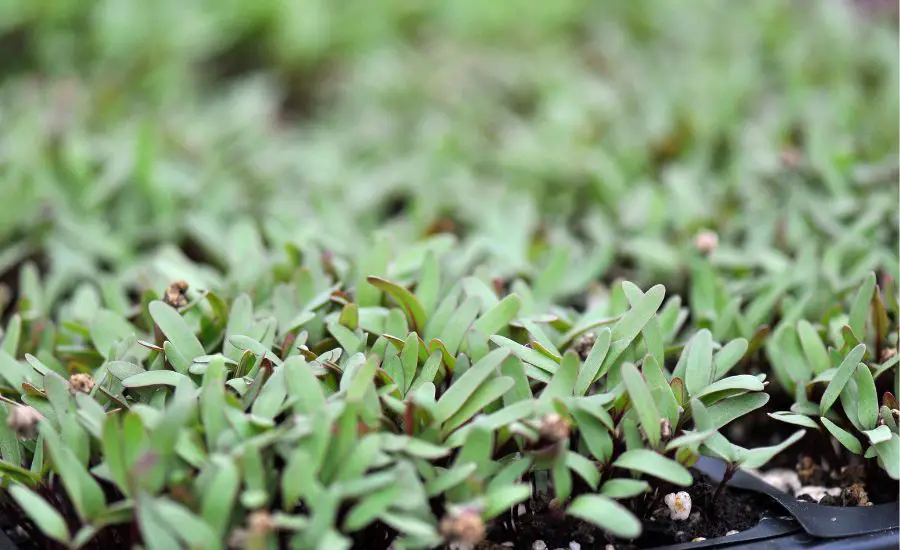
x: 679, y: 505
x: 781, y: 478
x: 539, y: 545
x: 574, y: 546
x: 732, y: 532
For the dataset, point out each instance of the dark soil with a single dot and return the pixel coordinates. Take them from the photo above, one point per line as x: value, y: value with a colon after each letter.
x: 16, y: 534
x: 734, y: 511
x: 817, y: 459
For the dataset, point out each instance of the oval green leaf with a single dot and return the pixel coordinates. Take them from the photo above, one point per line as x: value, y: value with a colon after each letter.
x: 642, y: 401
x: 654, y: 464
x: 176, y: 329
x: 414, y: 311
x: 843, y: 374
x: 606, y: 514
x: 846, y: 439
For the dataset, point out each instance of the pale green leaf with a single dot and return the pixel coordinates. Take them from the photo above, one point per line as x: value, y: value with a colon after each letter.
x: 177, y: 331
x: 590, y: 370
x: 45, y: 516
x: 867, y: 397
x: 698, y: 372
x: 846, y: 439
x: 654, y: 464
x: 499, y: 316
x: 643, y: 403
x: 606, y: 514
x: 843, y: 374
x: 414, y: 311
x: 623, y: 488
x: 860, y: 309
x: 813, y: 347
x: 758, y: 457
x: 727, y: 410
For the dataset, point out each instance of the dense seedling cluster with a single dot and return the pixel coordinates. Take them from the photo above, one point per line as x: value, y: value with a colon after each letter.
x: 276, y: 275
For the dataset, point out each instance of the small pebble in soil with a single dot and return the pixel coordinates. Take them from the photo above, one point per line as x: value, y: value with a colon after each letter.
x: 539, y: 545
x: 732, y: 532
x: 679, y: 505
x: 855, y: 495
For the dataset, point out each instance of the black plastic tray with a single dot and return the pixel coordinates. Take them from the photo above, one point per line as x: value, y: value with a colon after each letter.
x: 804, y: 524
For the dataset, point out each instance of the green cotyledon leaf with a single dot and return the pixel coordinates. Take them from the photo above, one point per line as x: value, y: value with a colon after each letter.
x: 623, y: 488
x: 758, y: 457
x: 485, y: 394
x: 499, y: 316
x: 414, y: 311
x: 459, y: 323
x: 846, y: 369
x: 176, y: 330
x: 813, y: 347
x: 642, y: 401
x: 654, y: 464
x: 409, y: 359
x: 860, y: 308
x: 526, y: 354
x: 429, y: 283
x: 591, y: 369
x: 632, y: 323
x: 652, y: 331
x: 563, y: 382
x: 728, y: 410
x: 607, y: 514
x: 661, y: 390
x: 698, y: 372
x: 848, y: 440
x: 867, y: 397
x: 729, y: 356
x: 45, y: 516
x: 454, y: 398
x: 84, y: 491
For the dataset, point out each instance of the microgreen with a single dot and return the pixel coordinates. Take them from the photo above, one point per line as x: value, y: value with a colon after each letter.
x: 237, y: 313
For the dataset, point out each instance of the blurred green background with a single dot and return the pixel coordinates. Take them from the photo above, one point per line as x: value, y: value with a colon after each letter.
x: 202, y: 139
